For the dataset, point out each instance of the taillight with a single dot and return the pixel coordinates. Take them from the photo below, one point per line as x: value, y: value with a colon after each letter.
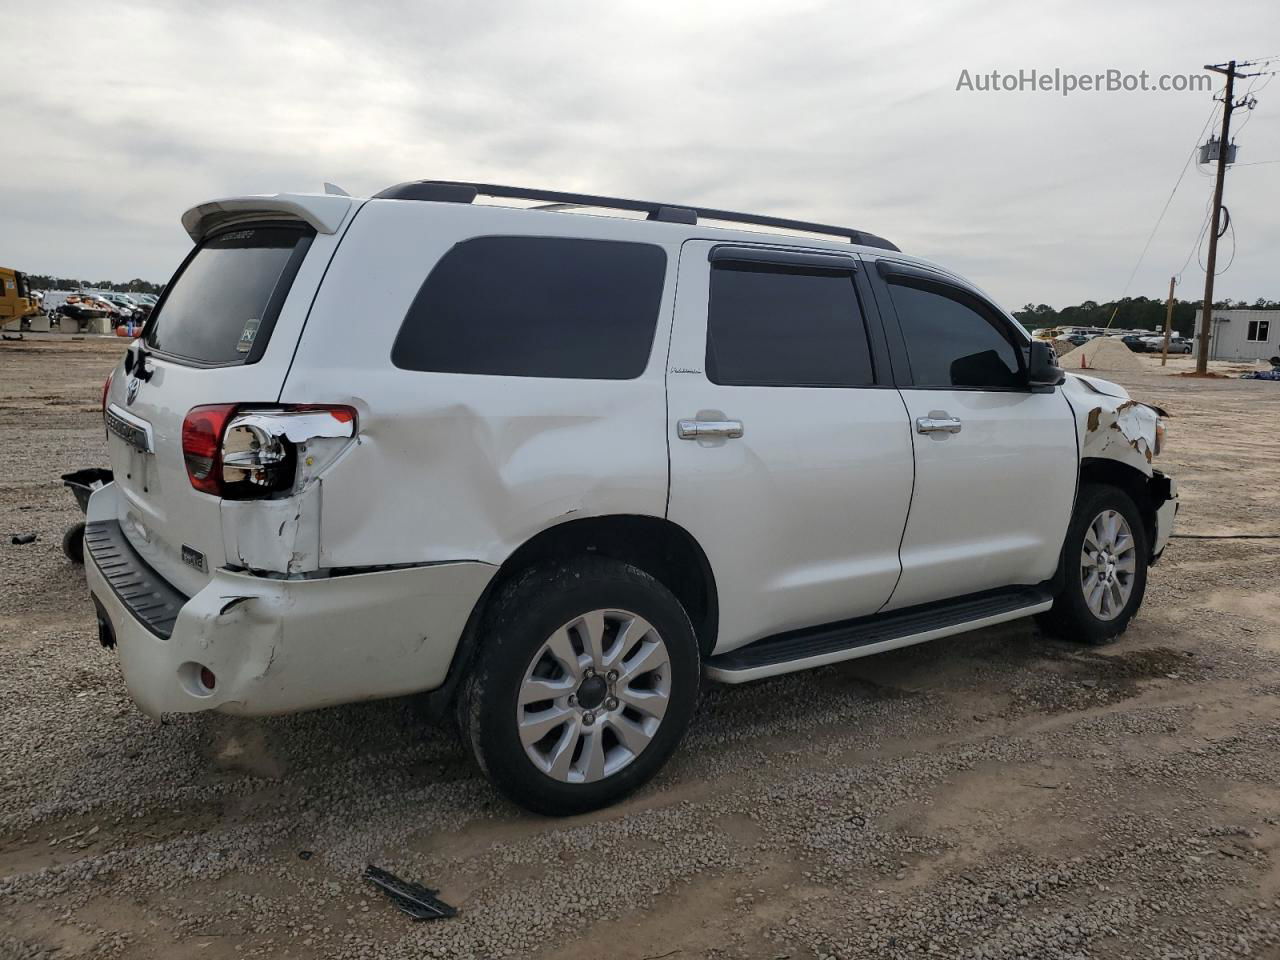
x: 106, y: 389
x: 202, y: 445
x: 241, y: 453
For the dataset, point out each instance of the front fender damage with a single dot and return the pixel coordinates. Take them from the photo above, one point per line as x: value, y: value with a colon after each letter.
x: 1111, y: 425
x: 1126, y: 432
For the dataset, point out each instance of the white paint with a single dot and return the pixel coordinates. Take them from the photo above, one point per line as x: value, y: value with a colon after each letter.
x: 295, y: 644
x: 801, y: 516
x: 449, y: 474
x: 992, y: 502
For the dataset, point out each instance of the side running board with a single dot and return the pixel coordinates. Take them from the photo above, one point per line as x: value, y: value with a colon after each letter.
x: 819, y: 646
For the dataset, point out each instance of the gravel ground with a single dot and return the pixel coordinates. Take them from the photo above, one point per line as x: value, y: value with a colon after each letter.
x: 993, y: 795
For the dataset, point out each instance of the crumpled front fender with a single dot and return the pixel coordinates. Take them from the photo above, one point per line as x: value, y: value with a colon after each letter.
x: 1111, y: 426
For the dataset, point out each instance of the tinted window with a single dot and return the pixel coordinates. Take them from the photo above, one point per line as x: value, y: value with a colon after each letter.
x: 785, y: 326
x: 951, y: 344
x: 536, y: 307
x: 225, y: 298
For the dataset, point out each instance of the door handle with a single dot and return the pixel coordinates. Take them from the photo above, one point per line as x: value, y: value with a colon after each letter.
x: 938, y: 424
x: 698, y: 429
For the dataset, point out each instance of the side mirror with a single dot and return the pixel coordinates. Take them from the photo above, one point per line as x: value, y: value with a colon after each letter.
x: 1042, y: 366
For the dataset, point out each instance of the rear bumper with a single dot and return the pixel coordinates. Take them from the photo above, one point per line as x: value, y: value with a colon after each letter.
x: 280, y: 646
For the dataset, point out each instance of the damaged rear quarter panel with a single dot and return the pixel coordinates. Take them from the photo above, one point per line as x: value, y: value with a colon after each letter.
x: 457, y: 466
x: 282, y: 535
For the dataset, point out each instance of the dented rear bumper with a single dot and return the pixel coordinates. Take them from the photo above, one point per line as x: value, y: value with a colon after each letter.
x: 283, y: 645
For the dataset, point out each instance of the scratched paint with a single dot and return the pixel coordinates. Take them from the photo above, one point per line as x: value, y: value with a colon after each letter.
x: 1114, y: 426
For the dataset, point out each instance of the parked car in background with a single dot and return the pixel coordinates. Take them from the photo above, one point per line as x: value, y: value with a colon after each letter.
x: 1155, y: 344
x: 1134, y: 343
x: 1077, y: 339
x: 573, y: 467
x: 127, y: 307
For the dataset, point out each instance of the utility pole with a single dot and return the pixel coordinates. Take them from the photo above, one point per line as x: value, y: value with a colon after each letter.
x: 1206, y: 311
x: 1224, y: 151
x: 1168, y: 322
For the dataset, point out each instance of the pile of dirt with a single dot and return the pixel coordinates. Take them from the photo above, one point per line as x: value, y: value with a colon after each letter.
x: 1061, y: 347
x: 1102, y: 353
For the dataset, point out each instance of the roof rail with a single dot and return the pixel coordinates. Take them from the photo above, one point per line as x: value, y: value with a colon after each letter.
x: 457, y: 191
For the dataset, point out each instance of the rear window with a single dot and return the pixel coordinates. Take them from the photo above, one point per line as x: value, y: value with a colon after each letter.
x: 536, y: 307
x: 223, y: 302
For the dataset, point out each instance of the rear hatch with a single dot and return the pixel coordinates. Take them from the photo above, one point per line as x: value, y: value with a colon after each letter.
x: 224, y: 332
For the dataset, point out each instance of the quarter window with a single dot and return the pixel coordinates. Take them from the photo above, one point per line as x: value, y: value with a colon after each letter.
x: 1259, y: 331
x: 785, y: 326
x: 950, y: 343
x: 536, y: 307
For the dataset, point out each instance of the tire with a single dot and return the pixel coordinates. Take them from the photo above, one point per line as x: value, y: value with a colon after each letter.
x: 73, y: 544
x: 581, y: 762
x: 1073, y: 617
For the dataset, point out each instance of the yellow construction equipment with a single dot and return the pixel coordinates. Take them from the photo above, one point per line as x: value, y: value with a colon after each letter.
x: 16, y: 300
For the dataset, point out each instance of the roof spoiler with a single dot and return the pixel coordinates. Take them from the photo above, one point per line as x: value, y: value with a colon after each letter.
x: 324, y: 213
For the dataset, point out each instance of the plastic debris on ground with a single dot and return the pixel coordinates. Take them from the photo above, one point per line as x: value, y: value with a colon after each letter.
x: 417, y: 901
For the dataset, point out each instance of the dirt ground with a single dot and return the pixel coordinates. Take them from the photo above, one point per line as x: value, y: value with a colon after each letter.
x: 995, y: 794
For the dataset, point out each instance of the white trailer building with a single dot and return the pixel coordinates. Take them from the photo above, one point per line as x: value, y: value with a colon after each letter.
x: 1242, y: 334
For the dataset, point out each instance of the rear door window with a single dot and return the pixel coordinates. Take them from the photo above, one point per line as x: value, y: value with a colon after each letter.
x: 220, y: 307
x: 536, y: 307
x: 781, y: 326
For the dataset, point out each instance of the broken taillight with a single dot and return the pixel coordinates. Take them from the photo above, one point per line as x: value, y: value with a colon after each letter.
x: 245, y: 453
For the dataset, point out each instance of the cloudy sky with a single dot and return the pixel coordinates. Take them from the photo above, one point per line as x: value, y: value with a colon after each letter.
x: 119, y: 116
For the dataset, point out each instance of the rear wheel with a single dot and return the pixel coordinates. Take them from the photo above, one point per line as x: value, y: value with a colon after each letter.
x: 1105, y: 577
x: 586, y: 680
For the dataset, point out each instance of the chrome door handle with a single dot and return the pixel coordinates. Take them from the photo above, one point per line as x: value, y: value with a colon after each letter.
x: 698, y: 429
x: 937, y: 424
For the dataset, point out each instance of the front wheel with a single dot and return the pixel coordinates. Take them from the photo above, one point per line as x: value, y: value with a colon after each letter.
x: 586, y: 680
x: 1105, y: 558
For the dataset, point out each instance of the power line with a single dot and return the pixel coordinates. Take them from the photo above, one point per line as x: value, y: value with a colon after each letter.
x: 1165, y: 209
x: 1229, y: 225
x: 1195, y: 249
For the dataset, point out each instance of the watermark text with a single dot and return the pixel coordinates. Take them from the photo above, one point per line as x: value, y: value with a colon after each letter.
x: 1065, y: 82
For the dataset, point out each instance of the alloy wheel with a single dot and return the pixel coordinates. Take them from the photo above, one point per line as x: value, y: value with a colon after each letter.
x: 594, y: 696
x: 1108, y: 564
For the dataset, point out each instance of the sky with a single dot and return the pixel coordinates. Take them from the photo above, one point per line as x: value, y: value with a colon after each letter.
x: 119, y: 116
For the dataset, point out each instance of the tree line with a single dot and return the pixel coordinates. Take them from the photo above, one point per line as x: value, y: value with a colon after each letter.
x: 40, y: 281
x: 1131, y: 313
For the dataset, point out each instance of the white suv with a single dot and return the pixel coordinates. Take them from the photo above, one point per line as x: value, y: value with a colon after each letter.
x: 558, y: 468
